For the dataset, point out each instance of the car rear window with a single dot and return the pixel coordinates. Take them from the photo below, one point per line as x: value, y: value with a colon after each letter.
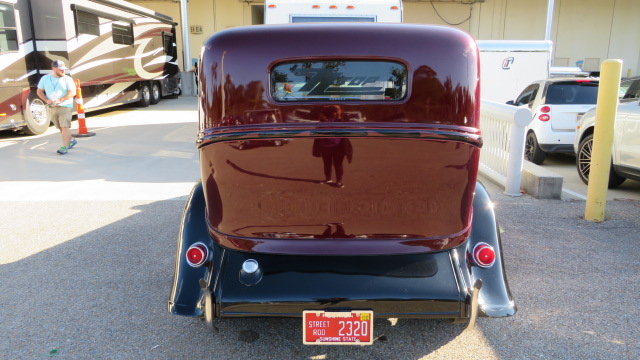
x: 572, y: 92
x: 339, y: 80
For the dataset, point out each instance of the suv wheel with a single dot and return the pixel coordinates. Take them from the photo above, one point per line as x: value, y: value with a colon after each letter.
x: 532, y: 151
x: 583, y: 163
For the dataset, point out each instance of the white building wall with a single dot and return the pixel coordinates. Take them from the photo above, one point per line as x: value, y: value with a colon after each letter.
x: 625, y: 36
x: 586, y: 31
x: 525, y: 19
x: 583, y: 31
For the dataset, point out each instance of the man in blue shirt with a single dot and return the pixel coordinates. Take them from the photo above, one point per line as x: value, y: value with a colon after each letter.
x: 58, y: 90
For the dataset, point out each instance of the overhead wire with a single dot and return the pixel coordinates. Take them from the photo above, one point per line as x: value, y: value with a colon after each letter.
x: 445, y: 21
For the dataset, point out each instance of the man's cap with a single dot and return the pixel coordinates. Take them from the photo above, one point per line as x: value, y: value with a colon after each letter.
x: 59, y: 64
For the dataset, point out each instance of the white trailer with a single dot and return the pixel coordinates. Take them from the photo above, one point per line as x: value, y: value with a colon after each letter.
x: 295, y: 11
x: 508, y: 66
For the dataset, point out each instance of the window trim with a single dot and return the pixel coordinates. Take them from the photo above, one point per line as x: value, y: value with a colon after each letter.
x: 77, y: 22
x: 101, y: 14
x: 13, y: 28
x: 114, y: 36
x: 170, y: 36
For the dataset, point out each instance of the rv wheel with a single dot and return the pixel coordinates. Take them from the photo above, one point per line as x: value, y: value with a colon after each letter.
x: 155, y: 93
x: 36, y: 116
x: 145, y: 95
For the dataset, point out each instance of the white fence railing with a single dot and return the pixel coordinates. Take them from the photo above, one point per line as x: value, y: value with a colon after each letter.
x: 503, y: 133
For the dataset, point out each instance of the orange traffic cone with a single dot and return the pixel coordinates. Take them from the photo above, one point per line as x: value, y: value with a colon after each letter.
x: 82, y: 126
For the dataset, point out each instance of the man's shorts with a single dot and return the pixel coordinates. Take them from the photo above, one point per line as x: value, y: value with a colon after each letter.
x: 60, y: 116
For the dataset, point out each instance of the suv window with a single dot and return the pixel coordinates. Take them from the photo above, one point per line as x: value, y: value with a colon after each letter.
x: 630, y: 90
x: 339, y: 80
x: 572, y: 92
x: 527, y: 95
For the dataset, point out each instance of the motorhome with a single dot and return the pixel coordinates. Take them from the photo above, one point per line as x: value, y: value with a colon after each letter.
x: 296, y: 11
x: 121, y: 53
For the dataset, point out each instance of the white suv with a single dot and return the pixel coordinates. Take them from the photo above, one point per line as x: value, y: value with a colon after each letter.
x: 557, y: 105
x: 625, y: 159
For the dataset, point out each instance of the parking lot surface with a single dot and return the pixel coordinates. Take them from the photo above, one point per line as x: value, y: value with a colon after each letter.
x: 88, y: 245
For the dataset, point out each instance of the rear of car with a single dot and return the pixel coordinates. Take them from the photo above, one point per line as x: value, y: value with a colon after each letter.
x: 369, y: 208
x: 566, y: 101
x: 557, y: 105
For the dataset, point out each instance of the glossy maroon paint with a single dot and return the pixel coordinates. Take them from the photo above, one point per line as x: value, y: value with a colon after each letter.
x: 410, y: 168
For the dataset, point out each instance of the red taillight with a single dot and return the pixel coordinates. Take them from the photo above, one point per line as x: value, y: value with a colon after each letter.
x: 484, y: 255
x: 332, y: 7
x: 544, y: 117
x: 545, y: 109
x: 271, y: 6
x: 315, y: 7
x: 394, y: 8
x: 350, y: 7
x: 197, y: 254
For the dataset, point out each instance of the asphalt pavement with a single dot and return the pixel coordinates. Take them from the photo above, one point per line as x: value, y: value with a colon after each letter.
x: 88, y: 243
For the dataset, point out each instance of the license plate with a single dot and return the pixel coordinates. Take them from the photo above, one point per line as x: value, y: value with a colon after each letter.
x: 337, y: 327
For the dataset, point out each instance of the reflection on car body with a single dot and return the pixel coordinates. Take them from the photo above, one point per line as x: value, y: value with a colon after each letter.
x: 403, y: 229
x: 268, y: 116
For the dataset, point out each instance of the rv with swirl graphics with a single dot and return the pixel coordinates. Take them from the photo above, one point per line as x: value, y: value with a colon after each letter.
x: 121, y: 53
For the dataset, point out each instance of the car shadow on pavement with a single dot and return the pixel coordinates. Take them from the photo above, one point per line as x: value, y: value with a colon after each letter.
x: 93, y: 282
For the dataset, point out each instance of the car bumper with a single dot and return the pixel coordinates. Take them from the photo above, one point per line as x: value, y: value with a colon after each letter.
x: 391, y: 286
x: 556, y: 141
x: 557, y: 148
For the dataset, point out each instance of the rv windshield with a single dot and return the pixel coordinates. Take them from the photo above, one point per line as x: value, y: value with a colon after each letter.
x: 339, y: 80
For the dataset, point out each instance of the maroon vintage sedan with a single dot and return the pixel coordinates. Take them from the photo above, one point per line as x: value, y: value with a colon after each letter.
x: 357, y: 198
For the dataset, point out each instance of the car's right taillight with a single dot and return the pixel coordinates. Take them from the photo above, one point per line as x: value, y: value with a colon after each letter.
x: 197, y: 254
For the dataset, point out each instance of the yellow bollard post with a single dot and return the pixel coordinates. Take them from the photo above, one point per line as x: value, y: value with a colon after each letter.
x: 610, y: 72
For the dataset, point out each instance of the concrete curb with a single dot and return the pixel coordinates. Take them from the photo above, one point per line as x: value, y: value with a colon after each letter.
x: 540, y: 182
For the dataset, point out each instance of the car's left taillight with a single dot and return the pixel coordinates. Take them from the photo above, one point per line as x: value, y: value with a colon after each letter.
x: 484, y: 255
x: 544, y: 116
x: 197, y: 254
